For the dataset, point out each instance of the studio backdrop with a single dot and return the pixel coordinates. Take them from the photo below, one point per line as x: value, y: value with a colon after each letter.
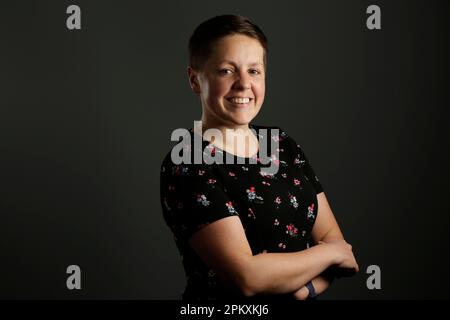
x: 92, y: 90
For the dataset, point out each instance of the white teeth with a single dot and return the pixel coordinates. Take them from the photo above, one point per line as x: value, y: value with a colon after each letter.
x: 239, y: 100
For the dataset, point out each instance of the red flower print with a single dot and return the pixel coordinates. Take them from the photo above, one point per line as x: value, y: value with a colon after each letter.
x: 252, y: 197
x: 230, y: 207
x: 291, y: 230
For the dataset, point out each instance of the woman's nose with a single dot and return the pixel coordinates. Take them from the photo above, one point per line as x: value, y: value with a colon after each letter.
x: 242, y: 82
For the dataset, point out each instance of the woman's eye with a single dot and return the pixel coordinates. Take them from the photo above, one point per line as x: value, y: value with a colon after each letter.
x: 225, y: 71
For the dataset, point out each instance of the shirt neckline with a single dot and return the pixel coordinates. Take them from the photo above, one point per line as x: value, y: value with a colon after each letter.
x: 251, y: 126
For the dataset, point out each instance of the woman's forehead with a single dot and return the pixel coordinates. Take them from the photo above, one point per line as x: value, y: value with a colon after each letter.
x: 230, y: 51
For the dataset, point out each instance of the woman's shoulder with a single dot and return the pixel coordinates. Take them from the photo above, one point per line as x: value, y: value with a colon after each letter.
x: 186, y: 153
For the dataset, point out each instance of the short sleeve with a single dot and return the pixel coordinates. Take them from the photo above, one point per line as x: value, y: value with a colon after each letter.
x: 308, y: 170
x: 192, y: 197
x: 301, y: 160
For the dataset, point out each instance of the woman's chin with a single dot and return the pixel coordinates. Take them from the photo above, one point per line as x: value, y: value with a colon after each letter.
x: 241, y: 120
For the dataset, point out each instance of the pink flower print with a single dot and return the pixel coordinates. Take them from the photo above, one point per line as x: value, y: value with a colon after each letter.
x: 266, y: 175
x: 276, y: 222
x: 311, y: 212
x: 201, y: 198
x: 230, y: 207
x: 281, y: 245
x: 253, y: 197
x: 293, y: 201
x: 291, y: 230
x: 211, y: 182
x: 201, y: 172
x: 297, y: 183
x: 277, y: 202
x: 277, y: 162
x: 298, y: 161
x: 232, y: 174
x: 251, y: 214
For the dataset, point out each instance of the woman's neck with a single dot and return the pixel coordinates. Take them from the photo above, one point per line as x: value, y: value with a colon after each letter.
x: 237, y: 139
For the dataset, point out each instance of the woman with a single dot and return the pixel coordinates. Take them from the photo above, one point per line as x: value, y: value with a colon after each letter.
x: 242, y: 233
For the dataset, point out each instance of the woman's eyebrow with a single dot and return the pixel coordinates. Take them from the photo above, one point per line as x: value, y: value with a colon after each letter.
x: 250, y: 64
x: 256, y: 64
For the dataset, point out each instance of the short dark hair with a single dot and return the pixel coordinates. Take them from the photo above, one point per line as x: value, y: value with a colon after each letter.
x: 212, y: 30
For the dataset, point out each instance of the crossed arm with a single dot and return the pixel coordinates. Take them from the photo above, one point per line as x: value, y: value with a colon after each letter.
x: 325, y: 230
x: 223, y: 246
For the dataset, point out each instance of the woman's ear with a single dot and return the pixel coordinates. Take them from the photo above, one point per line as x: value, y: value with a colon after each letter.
x: 193, y: 80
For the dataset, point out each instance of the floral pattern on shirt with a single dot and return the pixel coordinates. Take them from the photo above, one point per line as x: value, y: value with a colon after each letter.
x: 277, y: 211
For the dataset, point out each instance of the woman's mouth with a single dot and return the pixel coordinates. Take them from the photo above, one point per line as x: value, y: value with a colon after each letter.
x: 239, y: 101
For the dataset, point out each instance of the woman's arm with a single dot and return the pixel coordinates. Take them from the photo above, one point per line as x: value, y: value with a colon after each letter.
x: 223, y: 246
x: 326, y: 229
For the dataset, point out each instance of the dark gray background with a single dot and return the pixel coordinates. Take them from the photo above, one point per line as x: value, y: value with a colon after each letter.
x: 86, y: 117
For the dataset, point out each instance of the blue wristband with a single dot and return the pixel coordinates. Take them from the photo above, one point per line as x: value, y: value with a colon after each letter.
x: 312, y: 291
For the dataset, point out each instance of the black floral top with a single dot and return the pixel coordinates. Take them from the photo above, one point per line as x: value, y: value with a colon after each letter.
x: 277, y: 210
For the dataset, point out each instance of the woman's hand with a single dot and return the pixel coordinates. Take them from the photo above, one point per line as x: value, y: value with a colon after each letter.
x: 342, y: 253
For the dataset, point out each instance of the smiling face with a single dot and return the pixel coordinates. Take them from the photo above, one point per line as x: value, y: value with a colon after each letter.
x: 231, y: 84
